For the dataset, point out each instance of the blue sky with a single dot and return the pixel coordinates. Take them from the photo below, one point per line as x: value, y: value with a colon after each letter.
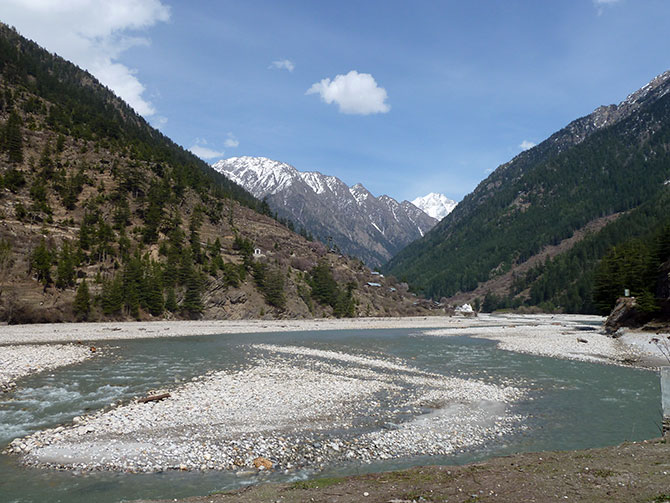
x: 404, y: 97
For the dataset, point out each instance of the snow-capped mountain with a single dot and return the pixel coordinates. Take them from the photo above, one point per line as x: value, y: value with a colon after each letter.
x: 436, y: 205
x: 371, y: 228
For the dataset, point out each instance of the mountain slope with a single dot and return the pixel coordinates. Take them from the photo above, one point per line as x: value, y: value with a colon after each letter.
x: 103, y: 217
x: 610, y: 162
x: 351, y: 218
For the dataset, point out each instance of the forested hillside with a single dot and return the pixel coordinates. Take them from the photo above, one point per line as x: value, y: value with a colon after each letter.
x: 103, y: 217
x: 613, y: 163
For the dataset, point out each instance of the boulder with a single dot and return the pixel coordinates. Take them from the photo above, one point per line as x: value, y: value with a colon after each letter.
x: 465, y: 310
x: 625, y: 313
x: 262, y: 463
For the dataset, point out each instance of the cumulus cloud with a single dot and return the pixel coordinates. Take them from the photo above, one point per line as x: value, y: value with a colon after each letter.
x: 231, y: 141
x: 282, y: 64
x: 93, y: 34
x: 354, y: 93
x: 201, y: 149
x: 526, y: 144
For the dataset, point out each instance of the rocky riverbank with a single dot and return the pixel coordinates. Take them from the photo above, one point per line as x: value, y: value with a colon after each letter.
x: 560, y: 339
x: 77, y: 332
x: 292, y: 407
x: 23, y: 360
x: 633, y: 472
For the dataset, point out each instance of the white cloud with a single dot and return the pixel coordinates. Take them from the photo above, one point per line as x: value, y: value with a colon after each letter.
x: 231, y: 141
x: 206, y: 153
x: 526, y: 144
x: 355, y: 93
x: 158, y: 121
x: 200, y: 149
x: 93, y: 34
x: 601, y: 4
x: 282, y: 64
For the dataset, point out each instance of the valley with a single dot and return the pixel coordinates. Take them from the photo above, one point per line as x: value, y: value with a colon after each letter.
x: 245, y: 320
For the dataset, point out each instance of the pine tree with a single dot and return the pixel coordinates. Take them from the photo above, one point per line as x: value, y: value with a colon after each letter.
x: 132, y: 284
x: 231, y: 275
x: 324, y: 286
x: 194, y: 238
x: 40, y: 263
x: 86, y: 231
x: 14, y: 138
x: 171, y: 301
x: 273, y: 288
x: 6, y: 261
x: 152, y: 290
x: 65, y: 268
x: 112, y: 295
x: 82, y: 301
x: 192, y: 303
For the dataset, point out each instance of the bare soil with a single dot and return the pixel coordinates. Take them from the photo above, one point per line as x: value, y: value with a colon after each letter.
x: 632, y: 472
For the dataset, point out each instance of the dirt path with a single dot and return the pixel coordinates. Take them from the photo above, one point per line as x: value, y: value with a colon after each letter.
x: 632, y: 472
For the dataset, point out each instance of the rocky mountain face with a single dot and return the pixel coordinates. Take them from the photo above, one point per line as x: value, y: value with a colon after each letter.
x: 539, y: 224
x: 358, y: 223
x: 436, y: 205
x: 104, y: 218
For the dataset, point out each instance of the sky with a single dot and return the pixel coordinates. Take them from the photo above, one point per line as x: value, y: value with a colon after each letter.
x: 404, y: 97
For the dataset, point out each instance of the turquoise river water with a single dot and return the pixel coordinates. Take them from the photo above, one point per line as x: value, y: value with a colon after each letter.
x: 569, y: 404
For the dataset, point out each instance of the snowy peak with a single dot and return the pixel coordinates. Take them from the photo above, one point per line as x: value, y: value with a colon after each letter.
x: 360, y: 193
x: 316, y: 181
x: 352, y: 218
x: 259, y: 175
x: 436, y: 205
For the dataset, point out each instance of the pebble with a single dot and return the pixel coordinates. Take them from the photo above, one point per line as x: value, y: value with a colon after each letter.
x: 22, y: 360
x: 533, y: 335
x: 293, y: 407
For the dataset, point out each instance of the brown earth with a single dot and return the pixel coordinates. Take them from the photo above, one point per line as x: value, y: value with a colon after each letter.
x: 110, y: 186
x: 632, y: 472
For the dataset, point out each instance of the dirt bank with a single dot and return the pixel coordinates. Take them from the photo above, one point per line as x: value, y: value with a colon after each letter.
x: 632, y: 472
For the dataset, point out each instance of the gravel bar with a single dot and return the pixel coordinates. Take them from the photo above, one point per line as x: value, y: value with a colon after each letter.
x: 569, y: 339
x: 20, y: 361
x: 291, y: 408
x: 76, y: 332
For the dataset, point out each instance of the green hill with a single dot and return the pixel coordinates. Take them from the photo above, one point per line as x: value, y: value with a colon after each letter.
x: 533, y: 231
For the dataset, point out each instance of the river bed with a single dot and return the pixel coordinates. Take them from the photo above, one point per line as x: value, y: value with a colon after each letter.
x: 563, y: 404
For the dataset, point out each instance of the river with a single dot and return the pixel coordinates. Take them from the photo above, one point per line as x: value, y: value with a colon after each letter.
x: 567, y: 404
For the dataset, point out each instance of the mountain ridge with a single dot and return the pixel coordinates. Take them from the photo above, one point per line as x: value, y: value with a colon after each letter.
x: 609, y: 162
x: 102, y: 217
x: 352, y: 218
